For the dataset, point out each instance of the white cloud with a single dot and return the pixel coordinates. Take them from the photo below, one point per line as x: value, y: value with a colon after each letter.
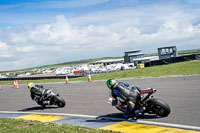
x: 30, y: 48
x: 3, y: 46
x: 4, y: 50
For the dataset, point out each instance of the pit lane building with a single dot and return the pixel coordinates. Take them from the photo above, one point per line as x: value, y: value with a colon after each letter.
x: 135, y: 57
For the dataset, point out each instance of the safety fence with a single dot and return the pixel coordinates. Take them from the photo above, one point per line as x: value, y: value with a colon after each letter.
x: 81, y: 74
x: 109, y: 71
x: 37, y: 78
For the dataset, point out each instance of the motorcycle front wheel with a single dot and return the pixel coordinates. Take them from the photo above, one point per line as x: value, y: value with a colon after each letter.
x: 158, y: 107
x: 60, y: 102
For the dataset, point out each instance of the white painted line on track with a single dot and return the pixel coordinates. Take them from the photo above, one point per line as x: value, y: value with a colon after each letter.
x: 109, y: 118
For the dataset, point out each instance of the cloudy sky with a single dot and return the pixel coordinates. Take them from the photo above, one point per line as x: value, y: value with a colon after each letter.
x: 42, y: 32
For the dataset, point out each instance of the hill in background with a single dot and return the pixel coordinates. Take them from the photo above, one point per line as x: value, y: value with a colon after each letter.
x: 88, y: 61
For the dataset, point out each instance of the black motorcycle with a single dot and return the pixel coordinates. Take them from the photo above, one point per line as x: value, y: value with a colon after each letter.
x: 147, y: 103
x: 53, y: 98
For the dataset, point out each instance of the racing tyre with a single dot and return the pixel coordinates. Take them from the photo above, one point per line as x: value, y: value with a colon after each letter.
x: 158, y: 107
x: 60, y: 102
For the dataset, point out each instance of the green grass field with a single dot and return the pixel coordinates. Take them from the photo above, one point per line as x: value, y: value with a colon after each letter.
x: 8, y: 125
x: 183, y: 68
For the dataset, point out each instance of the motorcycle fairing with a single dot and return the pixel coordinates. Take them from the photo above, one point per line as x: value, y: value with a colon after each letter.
x: 147, y: 90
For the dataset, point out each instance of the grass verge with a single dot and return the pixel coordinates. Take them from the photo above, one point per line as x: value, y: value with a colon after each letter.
x: 183, y: 68
x: 9, y: 125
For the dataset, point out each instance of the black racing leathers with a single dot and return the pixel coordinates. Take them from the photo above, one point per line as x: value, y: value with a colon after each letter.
x: 129, y: 95
x: 36, y: 94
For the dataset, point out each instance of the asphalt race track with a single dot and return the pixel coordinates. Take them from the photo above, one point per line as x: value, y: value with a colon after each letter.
x: 90, y: 98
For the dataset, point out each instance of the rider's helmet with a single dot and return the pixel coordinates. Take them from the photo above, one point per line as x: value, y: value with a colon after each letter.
x: 111, y: 82
x: 30, y: 85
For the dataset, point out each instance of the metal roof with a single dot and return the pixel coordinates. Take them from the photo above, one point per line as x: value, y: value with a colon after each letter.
x: 151, y: 58
x: 122, y: 59
x: 109, y: 60
x: 132, y: 51
x: 133, y: 54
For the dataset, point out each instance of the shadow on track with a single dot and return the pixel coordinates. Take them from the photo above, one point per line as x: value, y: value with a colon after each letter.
x: 120, y: 117
x: 37, y: 108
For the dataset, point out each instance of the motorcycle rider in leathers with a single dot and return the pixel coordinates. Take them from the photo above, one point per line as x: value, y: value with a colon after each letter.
x: 37, y: 92
x: 121, y: 93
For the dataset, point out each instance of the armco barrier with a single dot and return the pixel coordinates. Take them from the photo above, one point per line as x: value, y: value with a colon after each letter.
x: 37, y: 78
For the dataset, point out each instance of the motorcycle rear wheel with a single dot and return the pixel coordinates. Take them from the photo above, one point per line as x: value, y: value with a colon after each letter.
x: 158, y: 107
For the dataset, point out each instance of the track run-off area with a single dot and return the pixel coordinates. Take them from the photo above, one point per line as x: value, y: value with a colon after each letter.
x: 89, y: 101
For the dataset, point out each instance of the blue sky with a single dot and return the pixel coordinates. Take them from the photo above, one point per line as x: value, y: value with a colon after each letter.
x: 36, y: 32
